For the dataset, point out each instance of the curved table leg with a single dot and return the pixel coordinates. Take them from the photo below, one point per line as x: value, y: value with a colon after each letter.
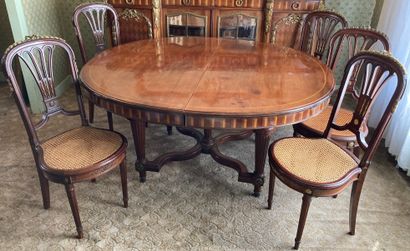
x: 210, y: 146
x: 142, y: 165
x: 206, y: 144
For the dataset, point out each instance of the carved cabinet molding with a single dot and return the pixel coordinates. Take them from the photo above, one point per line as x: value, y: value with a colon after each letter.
x: 256, y: 20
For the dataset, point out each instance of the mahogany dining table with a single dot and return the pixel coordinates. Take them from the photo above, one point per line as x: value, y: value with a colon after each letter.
x: 243, y: 87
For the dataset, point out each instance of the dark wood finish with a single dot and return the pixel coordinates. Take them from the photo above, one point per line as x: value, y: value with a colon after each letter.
x: 271, y: 189
x: 204, y: 83
x: 262, y: 139
x: 267, y: 12
x: 72, y: 199
x: 138, y: 134
x: 318, y: 27
x: 380, y: 69
x: 124, y: 182
x: 352, y: 40
x: 95, y: 14
x: 302, y: 219
x: 45, y: 190
x: 37, y: 55
x: 135, y: 25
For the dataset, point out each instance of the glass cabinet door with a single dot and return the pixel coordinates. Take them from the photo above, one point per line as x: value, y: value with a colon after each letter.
x: 186, y: 24
x: 237, y: 26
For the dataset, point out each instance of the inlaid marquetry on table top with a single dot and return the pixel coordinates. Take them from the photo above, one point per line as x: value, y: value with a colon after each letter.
x: 208, y: 83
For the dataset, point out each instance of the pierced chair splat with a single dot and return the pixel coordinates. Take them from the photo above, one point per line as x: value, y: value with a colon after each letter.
x: 349, y: 41
x: 319, y: 167
x: 80, y: 154
x: 96, y: 15
x: 317, y: 29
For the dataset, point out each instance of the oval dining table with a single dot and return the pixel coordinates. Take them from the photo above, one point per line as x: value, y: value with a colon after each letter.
x: 243, y: 87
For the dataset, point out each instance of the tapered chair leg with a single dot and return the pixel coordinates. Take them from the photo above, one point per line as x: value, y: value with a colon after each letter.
x: 354, y: 203
x: 123, y: 170
x: 91, y: 111
x: 169, y: 130
x: 45, y: 190
x: 271, y: 189
x: 74, y: 208
x: 302, y: 219
x: 110, y: 122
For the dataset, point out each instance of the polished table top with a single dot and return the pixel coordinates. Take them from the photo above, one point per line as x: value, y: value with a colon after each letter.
x: 209, y: 76
x: 208, y: 83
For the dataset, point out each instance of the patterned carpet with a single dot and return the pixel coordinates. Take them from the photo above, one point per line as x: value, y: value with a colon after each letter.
x: 190, y: 205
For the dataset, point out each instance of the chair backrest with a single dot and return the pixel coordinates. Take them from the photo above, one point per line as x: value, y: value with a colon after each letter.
x: 37, y: 54
x: 95, y: 14
x: 291, y: 22
x: 354, y: 40
x: 318, y: 27
x: 378, y: 70
x: 134, y: 30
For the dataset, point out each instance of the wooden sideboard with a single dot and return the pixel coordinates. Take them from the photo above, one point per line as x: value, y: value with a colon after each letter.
x: 258, y: 20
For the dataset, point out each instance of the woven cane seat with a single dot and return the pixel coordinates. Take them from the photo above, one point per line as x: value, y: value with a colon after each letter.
x: 313, y: 160
x: 319, y: 122
x: 80, y: 148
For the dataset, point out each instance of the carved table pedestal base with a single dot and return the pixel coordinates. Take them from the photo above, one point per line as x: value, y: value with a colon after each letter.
x: 206, y: 144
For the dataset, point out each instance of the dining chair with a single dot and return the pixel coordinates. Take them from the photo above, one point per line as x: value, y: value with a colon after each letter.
x: 135, y: 25
x: 317, y: 29
x: 321, y: 168
x: 76, y: 155
x: 348, y: 42
x: 95, y: 14
x: 285, y: 25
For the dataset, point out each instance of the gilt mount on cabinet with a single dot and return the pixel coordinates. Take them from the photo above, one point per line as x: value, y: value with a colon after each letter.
x: 236, y: 19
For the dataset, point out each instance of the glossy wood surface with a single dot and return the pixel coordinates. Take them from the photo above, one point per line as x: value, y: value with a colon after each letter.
x: 209, y: 76
x: 266, y: 11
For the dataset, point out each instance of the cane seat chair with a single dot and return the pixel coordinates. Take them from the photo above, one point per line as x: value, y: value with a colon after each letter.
x: 79, y: 154
x: 319, y: 167
x: 351, y: 41
x: 96, y: 16
x: 317, y: 29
